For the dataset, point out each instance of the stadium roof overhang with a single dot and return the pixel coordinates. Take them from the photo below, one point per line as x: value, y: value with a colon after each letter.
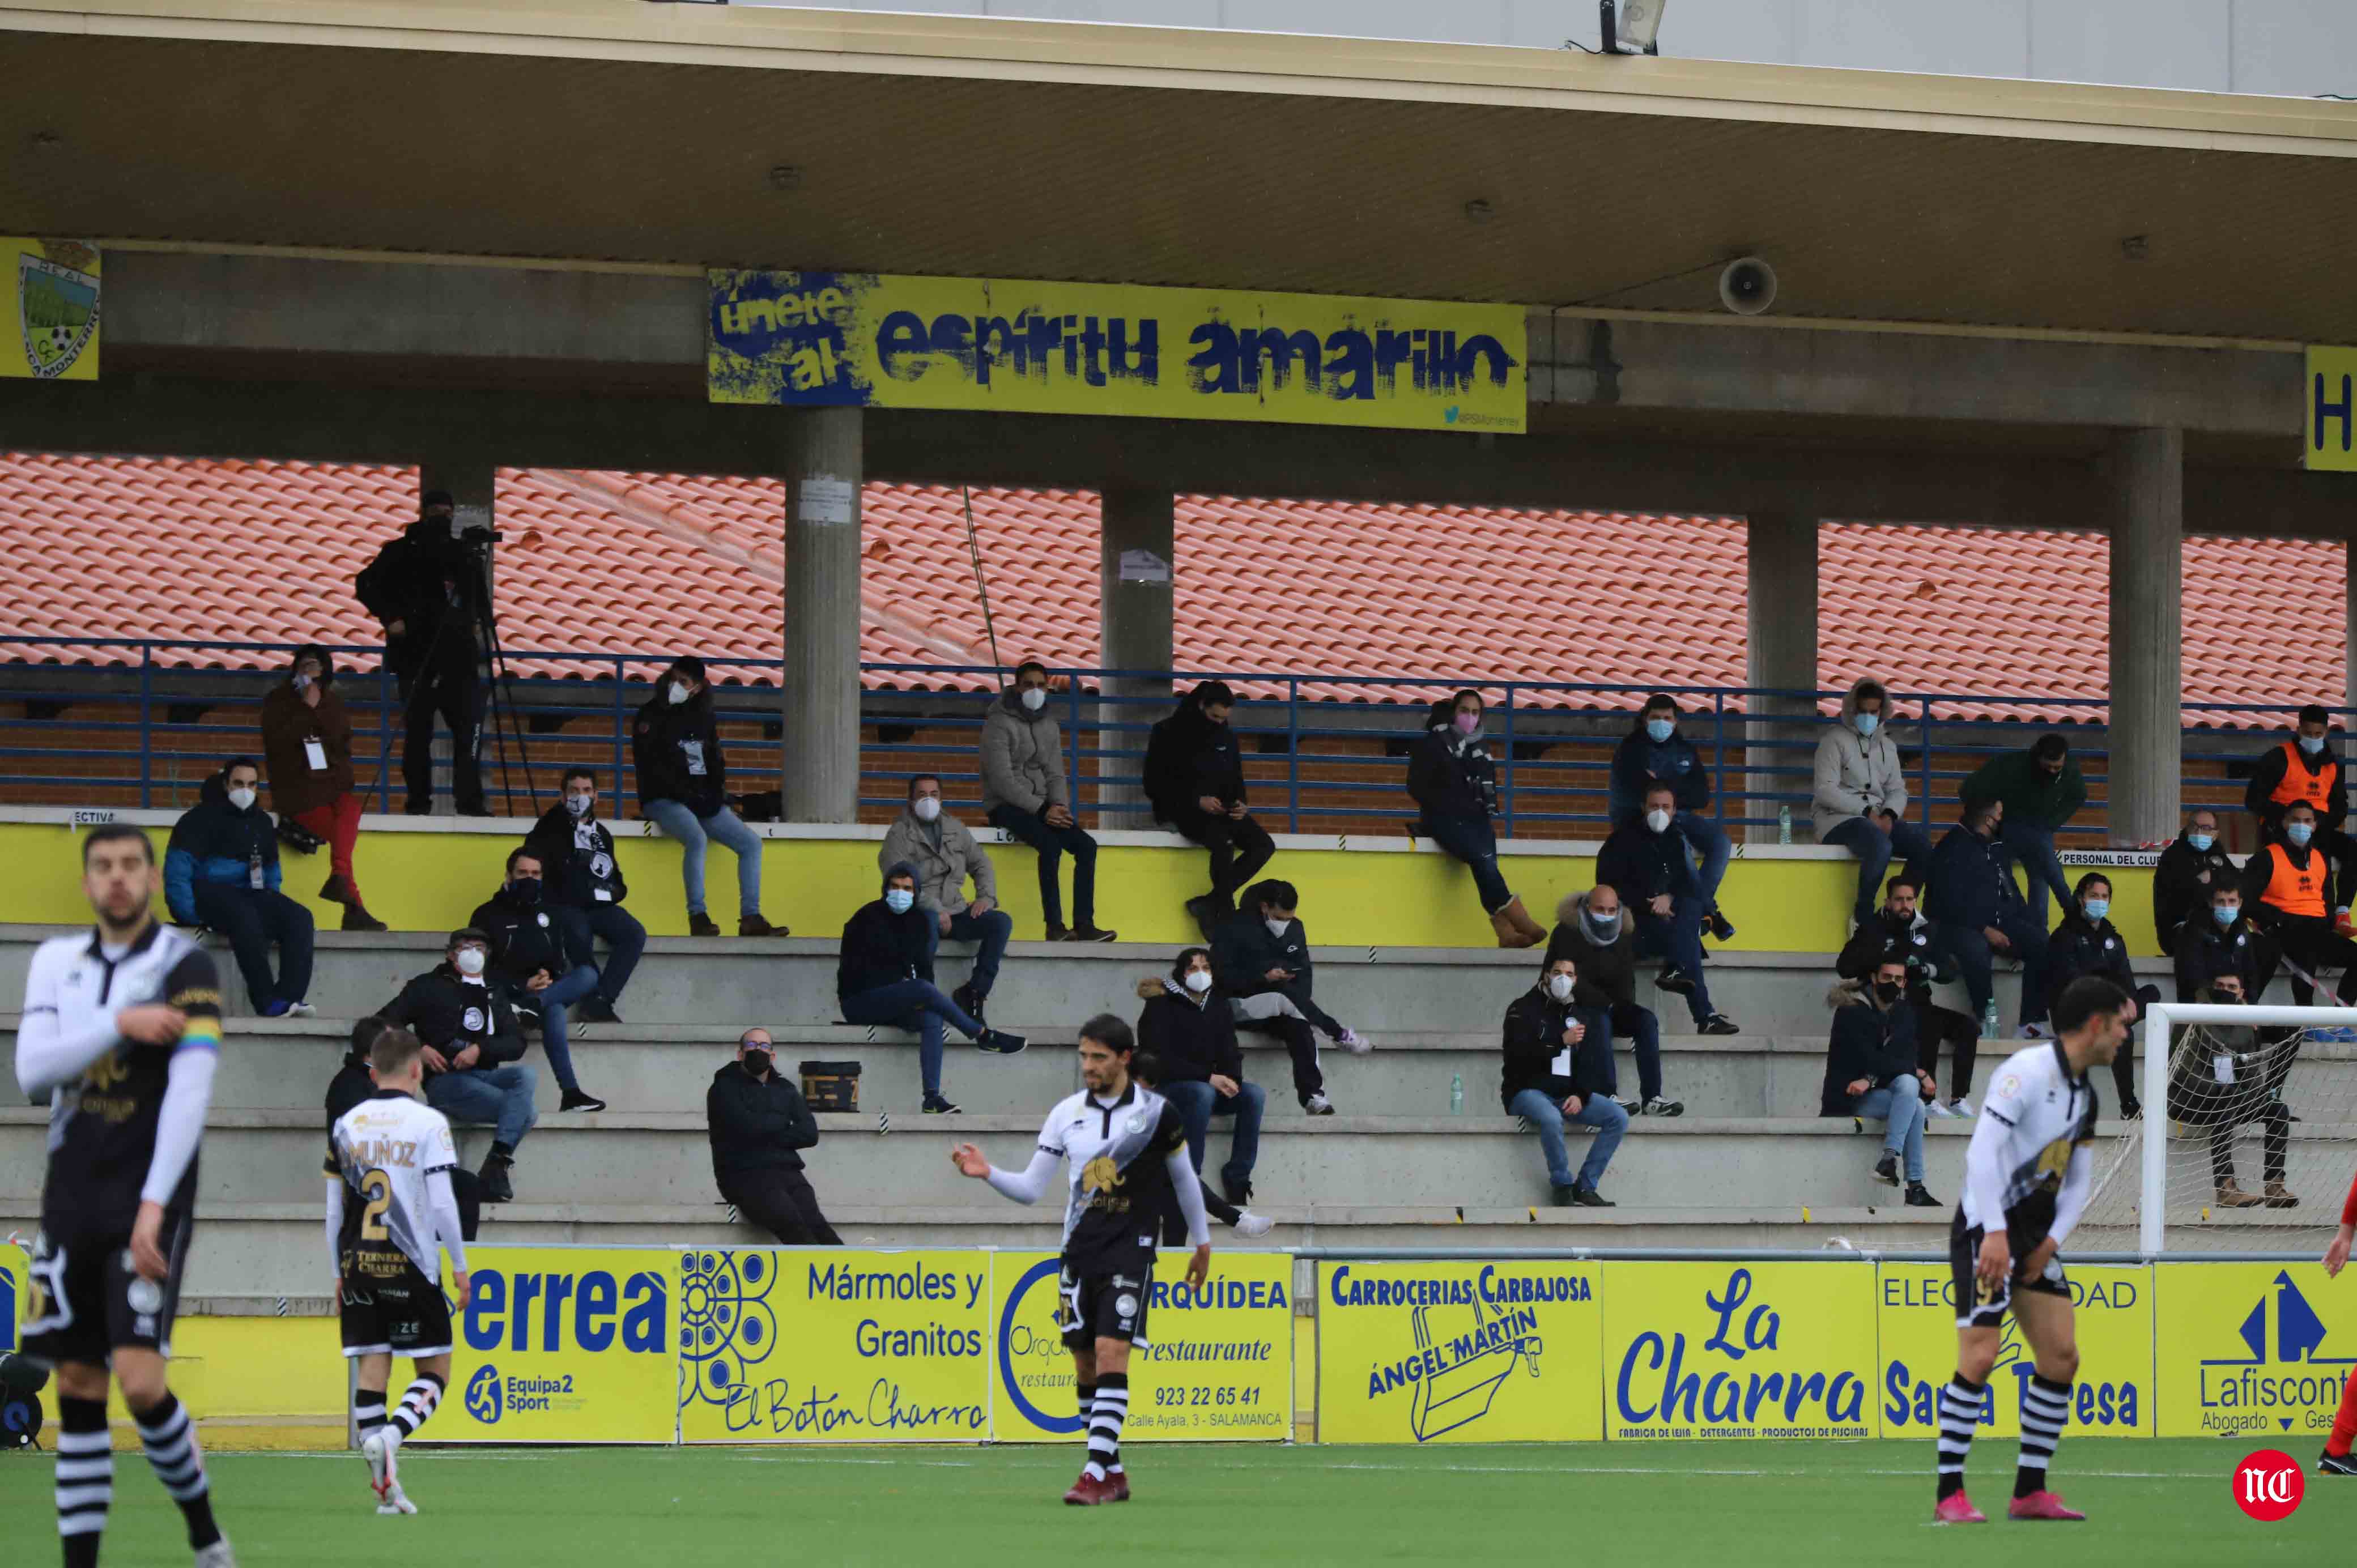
x: 634, y: 133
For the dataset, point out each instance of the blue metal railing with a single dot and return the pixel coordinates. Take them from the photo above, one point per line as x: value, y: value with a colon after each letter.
x: 152, y: 717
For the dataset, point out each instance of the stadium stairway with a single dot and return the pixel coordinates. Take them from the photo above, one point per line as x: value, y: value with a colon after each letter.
x: 1751, y: 1164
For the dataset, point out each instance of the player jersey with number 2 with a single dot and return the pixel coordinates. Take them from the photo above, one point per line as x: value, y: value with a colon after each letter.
x: 384, y: 1148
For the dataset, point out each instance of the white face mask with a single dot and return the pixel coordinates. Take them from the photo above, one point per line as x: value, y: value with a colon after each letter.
x: 1277, y: 928
x: 1560, y: 987
x: 1034, y: 698
x: 579, y: 804
x: 1658, y: 820
x: 678, y: 693
x: 1199, y: 981
x: 926, y: 807
x: 302, y: 682
x: 470, y: 961
x: 240, y: 799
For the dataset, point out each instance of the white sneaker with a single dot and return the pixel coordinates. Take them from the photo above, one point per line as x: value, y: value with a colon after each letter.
x: 396, y: 1501
x: 1962, y: 1106
x: 1318, y: 1105
x: 1250, y: 1224
x: 1938, y: 1110
x: 1357, y: 1044
x: 217, y: 1555
x: 378, y: 1448
x: 300, y: 1010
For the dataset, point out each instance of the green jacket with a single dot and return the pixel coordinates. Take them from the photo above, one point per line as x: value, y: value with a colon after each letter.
x: 2029, y: 795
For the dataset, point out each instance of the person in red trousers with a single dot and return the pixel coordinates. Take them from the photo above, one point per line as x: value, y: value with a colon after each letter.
x: 306, y: 740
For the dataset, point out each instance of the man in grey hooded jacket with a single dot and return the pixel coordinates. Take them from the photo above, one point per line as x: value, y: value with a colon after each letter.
x: 1860, y: 795
x: 1026, y: 795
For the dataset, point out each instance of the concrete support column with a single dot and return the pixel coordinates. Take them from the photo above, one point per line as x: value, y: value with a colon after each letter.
x: 473, y: 487
x: 2145, y: 472
x: 1781, y: 621
x: 823, y: 469
x: 1135, y: 553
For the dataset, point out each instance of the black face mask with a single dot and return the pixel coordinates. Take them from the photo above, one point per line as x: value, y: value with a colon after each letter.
x: 757, y: 1062
x: 1886, y: 991
x: 526, y: 889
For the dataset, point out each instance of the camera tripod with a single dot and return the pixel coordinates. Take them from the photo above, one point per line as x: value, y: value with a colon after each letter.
x: 487, y: 672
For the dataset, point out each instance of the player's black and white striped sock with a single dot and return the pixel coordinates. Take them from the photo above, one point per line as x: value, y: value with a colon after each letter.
x: 85, y: 1478
x: 1104, y: 1423
x: 368, y: 1411
x: 2045, y: 1410
x: 170, y: 1439
x: 418, y: 1406
x: 1961, y: 1403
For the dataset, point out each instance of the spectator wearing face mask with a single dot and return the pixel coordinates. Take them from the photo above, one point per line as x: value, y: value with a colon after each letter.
x: 528, y: 963
x: 2225, y: 1077
x: 2042, y: 789
x: 1025, y: 794
x: 946, y: 854
x: 584, y: 894
x: 1977, y: 917
x: 675, y: 743
x: 2304, y: 770
x: 1188, y: 1027
x: 1646, y: 863
x: 1871, y: 1070
x: 1557, y: 1070
x: 2216, y: 952
x: 1593, y: 932
x: 2085, y: 942
x: 759, y: 1124
x: 1858, y: 797
x: 475, y: 1070
x: 2286, y: 885
x: 884, y: 974
x: 1261, y: 957
x: 2190, y: 868
x: 1194, y: 777
x: 221, y: 871
x: 306, y: 739
x: 1656, y: 752
x: 1145, y: 1071
x: 1899, y: 931
x: 1455, y: 785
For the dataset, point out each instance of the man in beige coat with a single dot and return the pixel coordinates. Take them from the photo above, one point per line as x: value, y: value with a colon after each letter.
x: 1024, y: 794
x: 946, y: 854
x: 1859, y: 796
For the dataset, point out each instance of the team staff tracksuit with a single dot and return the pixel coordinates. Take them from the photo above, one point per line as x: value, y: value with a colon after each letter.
x: 2285, y: 895
x: 2286, y: 776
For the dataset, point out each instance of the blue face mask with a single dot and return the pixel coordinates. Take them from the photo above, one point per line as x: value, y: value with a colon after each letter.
x: 1866, y: 723
x: 2311, y: 743
x: 899, y: 900
x: 2225, y: 914
x: 1658, y: 730
x: 2299, y: 834
x: 2097, y: 907
x: 2201, y: 841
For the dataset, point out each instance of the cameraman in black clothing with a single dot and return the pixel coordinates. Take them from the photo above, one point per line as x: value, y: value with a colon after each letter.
x: 427, y: 589
x: 759, y: 1123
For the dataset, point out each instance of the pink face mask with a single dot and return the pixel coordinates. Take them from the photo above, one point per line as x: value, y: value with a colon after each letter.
x: 1468, y: 723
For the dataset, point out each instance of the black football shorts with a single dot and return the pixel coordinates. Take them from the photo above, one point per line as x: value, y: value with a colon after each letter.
x: 1096, y: 1306
x: 87, y: 1301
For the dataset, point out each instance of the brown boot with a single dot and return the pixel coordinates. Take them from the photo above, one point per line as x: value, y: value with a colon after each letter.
x: 1514, y: 927
x: 2232, y: 1196
x: 2279, y: 1196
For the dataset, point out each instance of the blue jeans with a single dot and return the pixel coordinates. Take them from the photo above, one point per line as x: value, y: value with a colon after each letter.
x: 625, y: 940
x: 1052, y: 844
x: 677, y: 821
x: 1197, y: 1103
x: 1475, y: 843
x: 1903, y: 1102
x: 571, y: 987
x: 1864, y: 837
x: 2034, y: 847
x: 1977, y: 961
x: 916, y: 1004
x: 1643, y: 1032
x: 991, y: 931
x: 498, y: 1097
x: 1677, y: 939
x: 1708, y: 841
x: 1545, y: 1115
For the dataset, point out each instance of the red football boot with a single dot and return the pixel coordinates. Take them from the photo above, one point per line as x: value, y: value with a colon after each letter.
x: 1957, y: 1509
x: 1119, y: 1481
x: 2040, y: 1505
x: 1088, y: 1492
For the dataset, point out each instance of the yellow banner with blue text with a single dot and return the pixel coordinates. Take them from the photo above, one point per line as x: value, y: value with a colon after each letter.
x: 2252, y: 1351
x: 1738, y: 1349
x: 2329, y: 409
x: 1915, y: 1306
x: 831, y: 1345
x: 1216, y: 1366
x: 566, y: 1344
x: 1007, y: 346
x: 1459, y: 1352
x: 57, y: 309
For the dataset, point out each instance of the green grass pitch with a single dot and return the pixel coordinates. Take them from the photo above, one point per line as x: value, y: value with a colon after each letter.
x: 1729, y: 1505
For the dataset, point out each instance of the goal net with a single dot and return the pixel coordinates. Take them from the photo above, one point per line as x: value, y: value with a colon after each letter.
x: 2248, y: 1137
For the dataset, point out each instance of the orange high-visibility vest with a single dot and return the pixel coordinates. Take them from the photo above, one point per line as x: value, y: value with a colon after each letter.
x: 2293, y: 890
x: 2298, y: 784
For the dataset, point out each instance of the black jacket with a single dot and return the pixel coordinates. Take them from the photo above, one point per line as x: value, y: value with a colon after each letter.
x: 577, y: 858
x: 2269, y: 770
x: 2082, y: 947
x: 418, y: 578
x: 1608, y: 971
x: 522, y: 942
x: 676, y: 747
x: 1192, y: 1041
x: 1970, y: 885
x: 449, y: 1013
x: 1452, y: 777
x: 1881, y: 940
x: 1187, y: 756
x: 880, y: 948
x: 2182, y: 884
x: 756, y: 1124
x: 2206, y: 950
x: 1871, y: 1043
x: 1243, y: 952
x: 1533, y: 1040
x: 1641, y: 865
x: 351, y: 1084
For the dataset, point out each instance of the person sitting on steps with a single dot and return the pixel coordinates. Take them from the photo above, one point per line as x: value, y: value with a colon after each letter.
x: 1455, y: 784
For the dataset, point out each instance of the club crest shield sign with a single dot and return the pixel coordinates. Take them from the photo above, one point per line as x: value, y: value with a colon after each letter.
x: 57, y: 309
